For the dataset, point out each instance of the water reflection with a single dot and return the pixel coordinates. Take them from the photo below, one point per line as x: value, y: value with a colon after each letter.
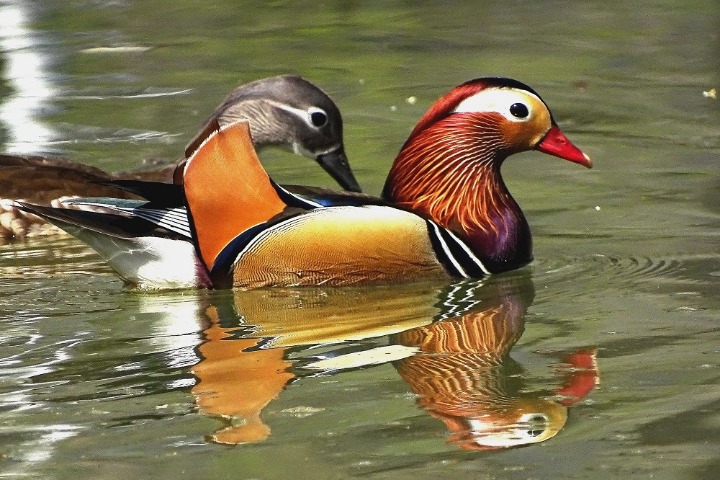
x: 27, y: 71
x: 464, y: 376
x: 451, y: 346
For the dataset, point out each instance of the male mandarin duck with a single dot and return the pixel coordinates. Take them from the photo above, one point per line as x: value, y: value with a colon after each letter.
x: 285, y: 111
x: 445, y: 211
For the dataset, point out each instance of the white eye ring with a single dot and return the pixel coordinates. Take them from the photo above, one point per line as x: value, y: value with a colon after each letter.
x: 317, y: 117
x: 502, y: 101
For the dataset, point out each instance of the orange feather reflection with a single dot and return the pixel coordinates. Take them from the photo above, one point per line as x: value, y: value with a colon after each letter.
x: 451, y: 347
x: 237, y: 381
x: 243, y: 363
x: 464, y: 376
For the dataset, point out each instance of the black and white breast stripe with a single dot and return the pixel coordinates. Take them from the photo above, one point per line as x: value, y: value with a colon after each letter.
x: 454, y: 254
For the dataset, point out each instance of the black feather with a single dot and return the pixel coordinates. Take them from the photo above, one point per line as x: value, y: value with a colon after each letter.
x: 159, y: 194
x: 119, y: 226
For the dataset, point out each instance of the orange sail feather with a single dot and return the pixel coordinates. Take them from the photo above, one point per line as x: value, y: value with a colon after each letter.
x: 227, y: 190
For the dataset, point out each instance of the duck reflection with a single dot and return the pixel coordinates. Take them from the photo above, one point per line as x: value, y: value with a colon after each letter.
x: 463, y: 374
x: 237, y: 380
x: 250, y: 336
x: 451, y: 346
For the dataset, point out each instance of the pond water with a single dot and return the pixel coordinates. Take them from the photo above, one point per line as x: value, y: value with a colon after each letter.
x: 601, y: 357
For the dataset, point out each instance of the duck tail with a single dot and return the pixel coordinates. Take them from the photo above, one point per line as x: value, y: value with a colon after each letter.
x: 141, y: 252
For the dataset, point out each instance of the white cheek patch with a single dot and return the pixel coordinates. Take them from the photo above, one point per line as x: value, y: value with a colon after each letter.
x: 499, y: 100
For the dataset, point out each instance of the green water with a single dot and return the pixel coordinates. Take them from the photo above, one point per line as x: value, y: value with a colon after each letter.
x: 100, y: 382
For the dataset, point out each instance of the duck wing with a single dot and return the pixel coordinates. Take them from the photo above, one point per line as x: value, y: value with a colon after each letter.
x: 142, y: 252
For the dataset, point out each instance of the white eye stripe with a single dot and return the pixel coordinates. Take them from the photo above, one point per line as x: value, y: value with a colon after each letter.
x: 499, y: 100
x: 295, y: 111
x: 305, y: 115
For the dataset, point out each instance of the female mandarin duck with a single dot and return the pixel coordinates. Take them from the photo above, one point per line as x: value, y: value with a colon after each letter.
x: 286, y: 111
x: 445, y: 211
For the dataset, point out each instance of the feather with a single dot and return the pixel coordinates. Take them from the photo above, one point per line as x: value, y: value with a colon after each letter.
x: 227, y: 190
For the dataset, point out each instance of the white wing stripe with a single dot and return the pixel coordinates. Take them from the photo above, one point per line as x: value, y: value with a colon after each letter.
x: 174, y: 219
x: 309, y: 203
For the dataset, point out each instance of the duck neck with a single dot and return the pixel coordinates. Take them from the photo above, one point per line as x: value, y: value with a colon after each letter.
x: 453, y: 178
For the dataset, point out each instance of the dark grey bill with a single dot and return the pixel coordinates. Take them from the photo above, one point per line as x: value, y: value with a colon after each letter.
x: 336, y: 164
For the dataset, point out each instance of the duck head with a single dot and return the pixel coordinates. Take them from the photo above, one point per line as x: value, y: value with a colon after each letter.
x: 449, y: 168
x: 289, y: 111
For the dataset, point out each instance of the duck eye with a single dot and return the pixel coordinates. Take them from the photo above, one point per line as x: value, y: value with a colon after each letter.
x: 519, y: 110
x: 537, y: 424
x: 317, y: 117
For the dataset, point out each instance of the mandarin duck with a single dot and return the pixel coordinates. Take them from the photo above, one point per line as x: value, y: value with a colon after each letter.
x: 284, y: 111
x: 445, y: 211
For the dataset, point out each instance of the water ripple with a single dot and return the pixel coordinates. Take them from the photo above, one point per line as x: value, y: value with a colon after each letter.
x: 632, y: 269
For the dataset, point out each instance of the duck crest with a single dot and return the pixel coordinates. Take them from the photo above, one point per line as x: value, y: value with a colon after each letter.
x: 449, y: 171
x: 444, y: 106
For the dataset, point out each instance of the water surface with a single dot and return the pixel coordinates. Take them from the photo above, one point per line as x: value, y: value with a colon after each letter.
x: 97, y: 381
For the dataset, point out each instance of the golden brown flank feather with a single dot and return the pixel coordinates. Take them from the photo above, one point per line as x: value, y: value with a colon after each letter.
x: 340, y: 246
x: 227, y: 190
